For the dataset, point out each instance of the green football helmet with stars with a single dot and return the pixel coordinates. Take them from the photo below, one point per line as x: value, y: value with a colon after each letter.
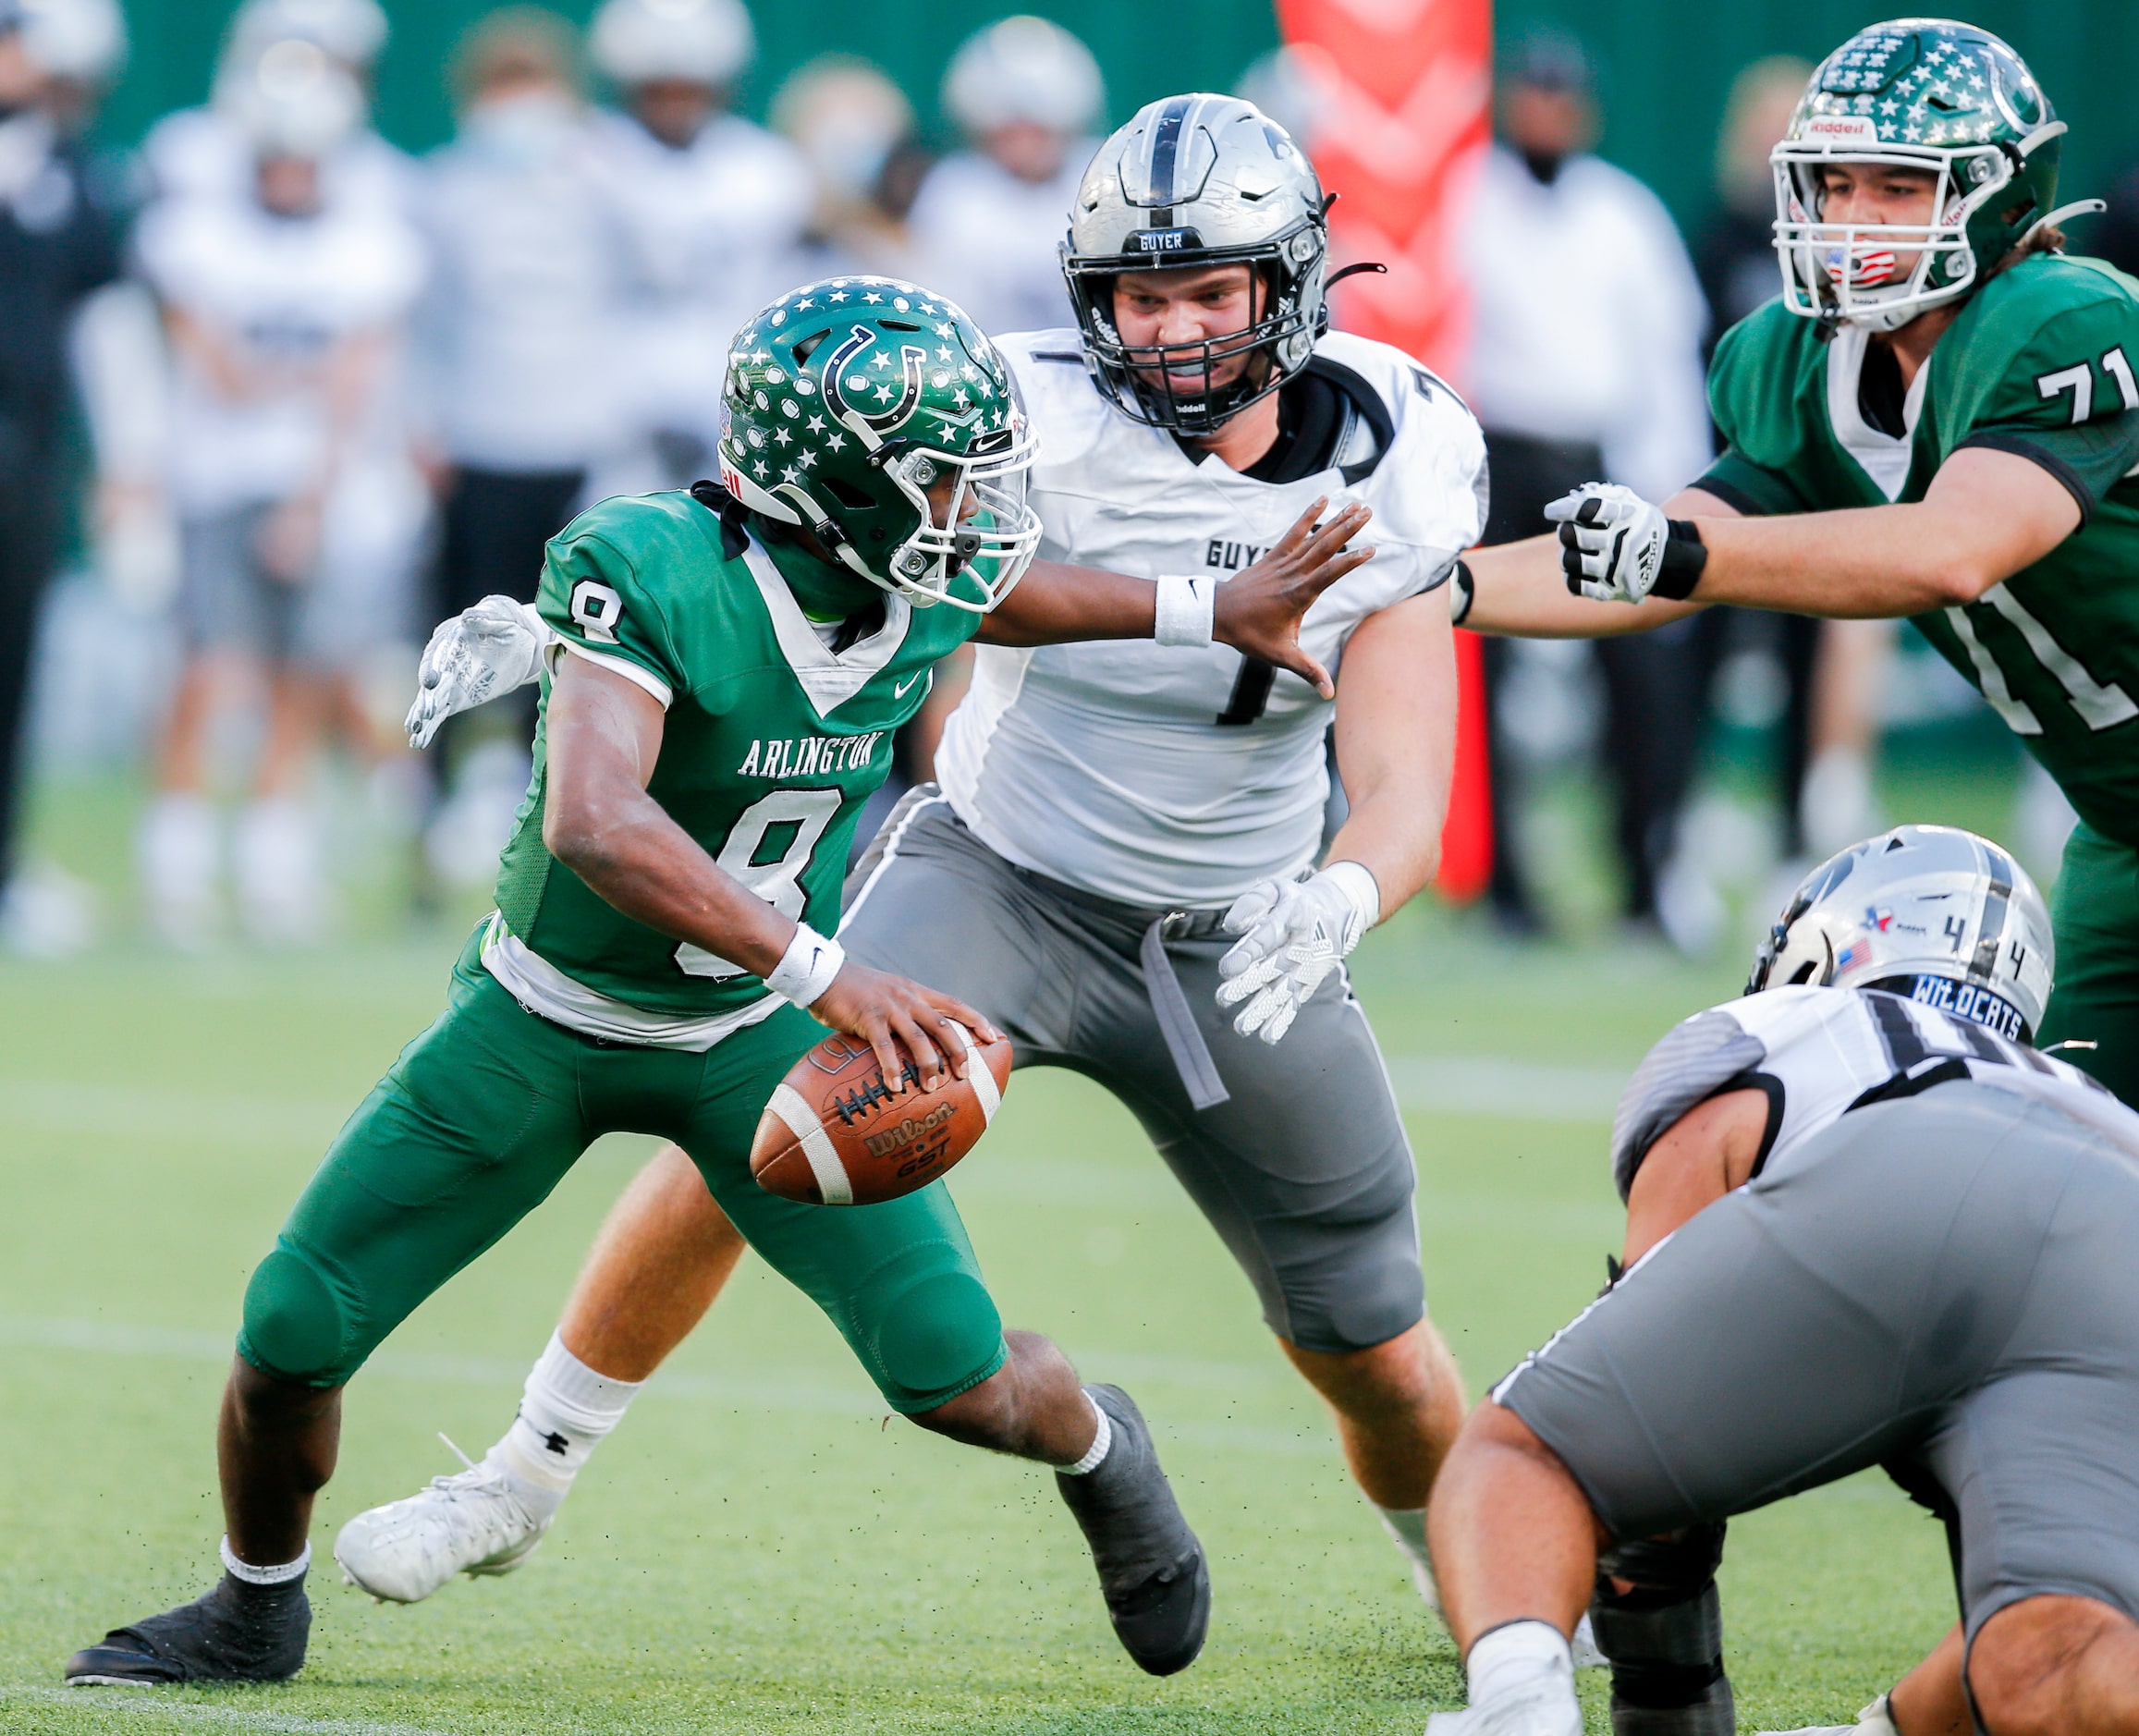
x: 878, y: 416
x: 1928, y: 95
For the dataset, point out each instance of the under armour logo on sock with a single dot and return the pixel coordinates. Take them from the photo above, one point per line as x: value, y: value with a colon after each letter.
x: 556, y: 1444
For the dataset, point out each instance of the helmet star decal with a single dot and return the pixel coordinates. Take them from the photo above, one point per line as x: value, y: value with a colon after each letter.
x: 1949, y: 102
x: 873, y: 392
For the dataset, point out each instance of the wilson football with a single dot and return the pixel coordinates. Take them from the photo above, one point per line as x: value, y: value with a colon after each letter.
x: 834, y: 1134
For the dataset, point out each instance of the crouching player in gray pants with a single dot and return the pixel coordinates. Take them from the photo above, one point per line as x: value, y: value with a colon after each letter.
x: 1869, y: 1225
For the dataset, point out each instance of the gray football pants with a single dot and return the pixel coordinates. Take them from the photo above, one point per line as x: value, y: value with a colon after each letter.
x: 1296, y: 1153
x: 1944, y: 1285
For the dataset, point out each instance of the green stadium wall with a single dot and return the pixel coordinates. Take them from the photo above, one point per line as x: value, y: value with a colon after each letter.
x: 1664, y: 64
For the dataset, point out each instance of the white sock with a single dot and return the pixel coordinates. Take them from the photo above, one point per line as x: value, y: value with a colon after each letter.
x: 565, y: 1411
x: 264, y: 1575
x: 1095, y: 1454
x: 1407, y: 1529
x: 1514, y: 1655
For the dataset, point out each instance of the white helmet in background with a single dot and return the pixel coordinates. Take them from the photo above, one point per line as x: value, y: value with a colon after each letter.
x: 293, y: 100
x: 350, y: 31
x: 1023, y: 69
x: 695, y: 41
x: 1929, y: 911
x: 82, y: 41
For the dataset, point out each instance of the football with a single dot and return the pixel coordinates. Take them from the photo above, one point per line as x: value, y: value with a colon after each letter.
x: 834, y: 1134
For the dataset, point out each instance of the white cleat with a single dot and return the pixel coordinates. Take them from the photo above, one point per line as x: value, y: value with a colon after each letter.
x: 473, y: 1521
x: 1588, y: 1655
x: 1541, y: 1707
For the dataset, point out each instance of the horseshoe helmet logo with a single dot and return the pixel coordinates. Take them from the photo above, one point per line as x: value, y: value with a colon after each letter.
x: 876, y: 405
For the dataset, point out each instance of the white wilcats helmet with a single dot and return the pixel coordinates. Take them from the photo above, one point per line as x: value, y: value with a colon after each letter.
x: 1929, y: 911
x: 1192, y: 181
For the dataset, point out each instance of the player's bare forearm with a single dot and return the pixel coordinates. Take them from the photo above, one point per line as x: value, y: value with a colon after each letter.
x: 1258, y: 613
x: 1395, y: 744
x: 1519, y: 590
x: 604, y: 737
x: 1986, y: 515
x: 1055, y: 603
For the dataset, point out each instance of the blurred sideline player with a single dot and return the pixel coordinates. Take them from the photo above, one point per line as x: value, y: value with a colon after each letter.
x: 988, y: 219
x: 201, y: 150
x: 1585, y: 360
x: 1103, y: 810
x: 519, y: 341
x: 710, y: 209
x: 288, y: 466
x: 58, y: 244
x: 1867, y: 1223
x: 1936, y: 420
x: 727, y: 686
x: 855, y: 129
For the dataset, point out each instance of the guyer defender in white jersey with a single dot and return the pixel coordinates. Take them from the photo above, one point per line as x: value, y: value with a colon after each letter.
x: 1166, y: 776
x: 1113, y: 862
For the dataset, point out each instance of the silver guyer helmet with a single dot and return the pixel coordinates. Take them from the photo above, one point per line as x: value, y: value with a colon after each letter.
x: 1199, y: 180
x: 1929, y: 911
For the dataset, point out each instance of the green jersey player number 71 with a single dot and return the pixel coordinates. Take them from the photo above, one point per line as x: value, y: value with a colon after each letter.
x: 1937, y: 418
x: 727, y: 670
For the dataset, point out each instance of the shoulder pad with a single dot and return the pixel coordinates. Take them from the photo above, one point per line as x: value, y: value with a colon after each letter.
x: 1069, y: 415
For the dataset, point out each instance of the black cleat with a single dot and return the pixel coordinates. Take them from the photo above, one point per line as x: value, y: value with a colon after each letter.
x: 237, y: 1633
x: 1151, y: 1567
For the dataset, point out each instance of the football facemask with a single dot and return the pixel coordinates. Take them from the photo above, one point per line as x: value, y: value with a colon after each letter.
x: 1943, y: 99
x: 875, y: 414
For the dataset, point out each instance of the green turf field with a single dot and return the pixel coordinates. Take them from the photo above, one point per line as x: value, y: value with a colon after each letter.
x: 758, y: 1548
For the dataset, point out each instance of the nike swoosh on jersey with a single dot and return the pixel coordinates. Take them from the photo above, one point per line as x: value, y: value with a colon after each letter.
x: 899, y: 692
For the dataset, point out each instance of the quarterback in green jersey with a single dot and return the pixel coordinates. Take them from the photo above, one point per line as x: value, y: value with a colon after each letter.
x: 1939, y: 417
x: 729, y: 667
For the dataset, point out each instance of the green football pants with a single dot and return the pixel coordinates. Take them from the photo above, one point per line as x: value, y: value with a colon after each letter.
x: 2095, y: 915
x: 480, y: 1118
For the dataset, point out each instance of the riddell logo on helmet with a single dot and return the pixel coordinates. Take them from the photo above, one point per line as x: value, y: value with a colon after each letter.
x: 1831, y: 129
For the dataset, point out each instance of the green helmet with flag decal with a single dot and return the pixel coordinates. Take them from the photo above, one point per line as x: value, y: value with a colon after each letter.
x: 876, y: 415
x: 1928, y: 95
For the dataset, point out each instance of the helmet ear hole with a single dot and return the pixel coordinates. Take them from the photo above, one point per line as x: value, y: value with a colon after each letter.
x: 846, y: 494
x: 1803, y: 974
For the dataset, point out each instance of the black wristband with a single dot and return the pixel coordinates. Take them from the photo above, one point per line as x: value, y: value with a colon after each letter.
x: 1685, y: 555
x: 1462, y: 593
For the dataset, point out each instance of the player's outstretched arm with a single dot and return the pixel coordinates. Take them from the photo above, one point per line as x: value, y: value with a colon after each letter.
x: 1258, y: 612
x: 1396, y: 743
x: 604, y: 735
x: 1519, y: 590
x: 1396, y: 729
x: 1986, y: 515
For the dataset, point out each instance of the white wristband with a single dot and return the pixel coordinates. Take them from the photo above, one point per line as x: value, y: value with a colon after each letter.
x: 1360, y: 890
x: 806, y: 968
x: 1183, y: 615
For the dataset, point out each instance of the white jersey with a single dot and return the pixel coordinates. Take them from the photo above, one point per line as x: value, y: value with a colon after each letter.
x: 1819, y: 1053
x: 992, y: 242
x: 1177, y: 777
x: 709, y: 236
x: 278, y: 297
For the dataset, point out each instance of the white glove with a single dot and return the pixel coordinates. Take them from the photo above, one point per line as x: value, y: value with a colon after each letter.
x: 481, y: 653
x: 1294, y: 932
x: 1616, y: 547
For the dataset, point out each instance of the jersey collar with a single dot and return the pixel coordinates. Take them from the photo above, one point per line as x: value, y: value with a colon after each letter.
x: 827, y: 679
x: 1882, y: 457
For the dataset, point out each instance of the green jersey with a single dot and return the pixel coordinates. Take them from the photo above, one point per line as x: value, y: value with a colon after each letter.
x: 772, y: 744
x: 2040, y: 363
